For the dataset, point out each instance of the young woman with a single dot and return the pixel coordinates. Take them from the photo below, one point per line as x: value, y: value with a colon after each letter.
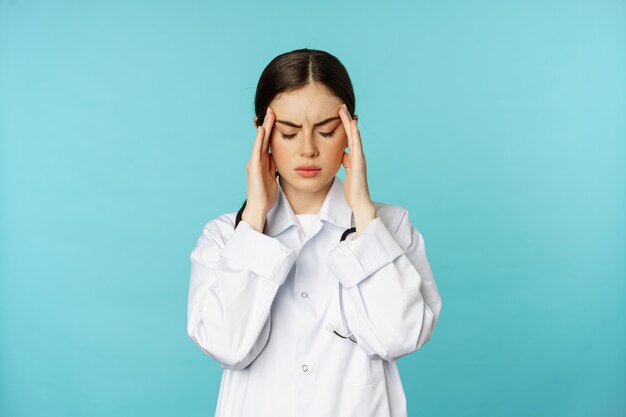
x: 310, y: 292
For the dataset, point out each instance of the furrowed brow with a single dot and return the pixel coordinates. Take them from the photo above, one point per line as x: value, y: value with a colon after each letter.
x: 323, y: 122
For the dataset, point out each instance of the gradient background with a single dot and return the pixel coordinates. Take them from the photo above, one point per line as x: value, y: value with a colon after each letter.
x: 126, y: 126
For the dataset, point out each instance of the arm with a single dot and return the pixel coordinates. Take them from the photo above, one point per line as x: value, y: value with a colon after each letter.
x: 235, y: 275
x: 391, y: 300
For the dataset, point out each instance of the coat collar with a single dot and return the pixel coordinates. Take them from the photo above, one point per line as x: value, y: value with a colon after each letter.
x: 334, y: 210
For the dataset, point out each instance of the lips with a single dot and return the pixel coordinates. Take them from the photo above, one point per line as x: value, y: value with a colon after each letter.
x: 308, y: 171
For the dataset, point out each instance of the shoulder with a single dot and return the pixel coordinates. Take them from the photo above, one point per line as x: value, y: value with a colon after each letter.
x: 396, y: 219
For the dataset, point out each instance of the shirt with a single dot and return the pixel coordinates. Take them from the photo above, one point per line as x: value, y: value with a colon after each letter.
x: 306, y: 325
x: 307, y: 222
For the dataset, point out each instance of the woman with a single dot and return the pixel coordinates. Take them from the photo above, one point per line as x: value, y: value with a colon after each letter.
x: 310, y: 292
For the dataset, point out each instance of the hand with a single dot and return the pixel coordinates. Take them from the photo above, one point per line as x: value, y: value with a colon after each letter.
x: 356, y: 191
x: 261, y: 170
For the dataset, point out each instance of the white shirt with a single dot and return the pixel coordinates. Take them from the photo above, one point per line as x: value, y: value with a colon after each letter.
x: 266, y: 305
x: 307, y: 222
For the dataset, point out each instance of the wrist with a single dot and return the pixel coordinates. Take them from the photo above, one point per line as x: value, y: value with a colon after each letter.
x: 254, y: 218
x: 363, y: 216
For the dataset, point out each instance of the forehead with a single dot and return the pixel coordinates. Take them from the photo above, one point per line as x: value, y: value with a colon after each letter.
x: 309, y: 104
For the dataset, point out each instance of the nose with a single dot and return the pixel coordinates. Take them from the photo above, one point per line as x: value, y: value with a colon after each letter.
x: 308, y: 147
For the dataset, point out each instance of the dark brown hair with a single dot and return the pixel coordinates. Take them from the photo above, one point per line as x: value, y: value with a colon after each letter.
x: 294, y: 70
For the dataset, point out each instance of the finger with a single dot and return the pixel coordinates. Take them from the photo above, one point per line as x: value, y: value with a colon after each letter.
x: 258, y: 141
x: 356, y: 139
x: 345, y: 119
x: 352, y: 131
x: 267, y: 124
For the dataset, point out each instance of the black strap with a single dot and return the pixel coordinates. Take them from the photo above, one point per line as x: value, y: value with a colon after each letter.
x: 346, y: 233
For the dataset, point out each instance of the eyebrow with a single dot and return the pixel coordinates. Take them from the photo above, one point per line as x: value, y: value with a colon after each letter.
x: 323, y: 122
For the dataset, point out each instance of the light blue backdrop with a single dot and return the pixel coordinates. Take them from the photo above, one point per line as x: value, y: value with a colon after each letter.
x: 126, y: 126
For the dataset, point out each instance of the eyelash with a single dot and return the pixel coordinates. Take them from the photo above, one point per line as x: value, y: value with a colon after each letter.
x: 326, y: 135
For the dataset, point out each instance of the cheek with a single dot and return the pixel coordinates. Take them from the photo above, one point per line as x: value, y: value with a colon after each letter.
x: 278, y: 150
x: 342, y: 142
x: 335, y: 150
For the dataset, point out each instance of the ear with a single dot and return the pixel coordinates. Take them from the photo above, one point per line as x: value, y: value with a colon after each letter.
x: 254, y: 120
x: 356, y: 117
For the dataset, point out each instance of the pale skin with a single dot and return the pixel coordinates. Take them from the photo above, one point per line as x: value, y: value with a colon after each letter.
x: 322, y: 145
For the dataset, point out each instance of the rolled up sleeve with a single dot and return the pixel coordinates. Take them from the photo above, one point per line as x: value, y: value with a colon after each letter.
x: 235, y: 275
x: 265, y: 256
x: 392, y: 302
x: 356, y: 258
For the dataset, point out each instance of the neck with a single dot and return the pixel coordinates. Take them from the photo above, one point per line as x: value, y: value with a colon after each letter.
x: 304, y: 201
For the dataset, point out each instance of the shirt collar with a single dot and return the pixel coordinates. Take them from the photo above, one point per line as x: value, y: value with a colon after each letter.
x: 334, y: 210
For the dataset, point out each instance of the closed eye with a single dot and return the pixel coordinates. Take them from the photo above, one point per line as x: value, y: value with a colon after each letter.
x: 323, y: 134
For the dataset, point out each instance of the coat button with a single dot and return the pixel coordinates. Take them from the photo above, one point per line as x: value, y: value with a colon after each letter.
x: 305, y: 368
x: 304, y: 294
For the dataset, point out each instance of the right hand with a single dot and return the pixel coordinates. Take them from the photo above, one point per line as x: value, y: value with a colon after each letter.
x: 261, y: 170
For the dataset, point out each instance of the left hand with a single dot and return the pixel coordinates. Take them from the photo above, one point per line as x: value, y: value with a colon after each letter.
x: 356, y: 191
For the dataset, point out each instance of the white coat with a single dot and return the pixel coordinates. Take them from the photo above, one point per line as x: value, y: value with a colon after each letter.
x: 266, y: 307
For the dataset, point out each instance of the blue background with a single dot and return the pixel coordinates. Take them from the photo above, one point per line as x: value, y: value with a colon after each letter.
x: 126, y: 126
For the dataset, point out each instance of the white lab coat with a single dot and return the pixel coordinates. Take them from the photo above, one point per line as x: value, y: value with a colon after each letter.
x: 264, y: 305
